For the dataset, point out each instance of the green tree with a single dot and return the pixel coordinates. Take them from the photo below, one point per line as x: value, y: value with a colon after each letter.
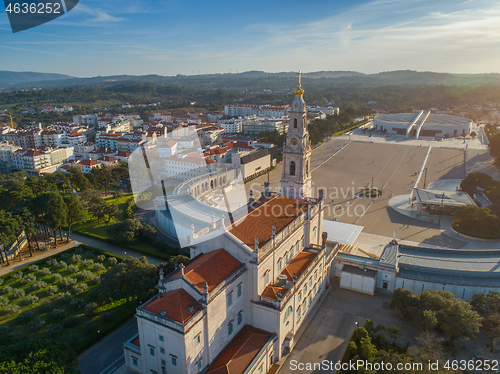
x: 53, y: 209
x: 75, y: 212
x: 9, y: 228
x: 488, y: 307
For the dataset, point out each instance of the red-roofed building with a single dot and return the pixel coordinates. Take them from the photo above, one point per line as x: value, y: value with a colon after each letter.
x: 87, y: 165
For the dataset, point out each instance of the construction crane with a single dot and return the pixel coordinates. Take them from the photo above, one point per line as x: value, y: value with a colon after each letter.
x: 11, y: 122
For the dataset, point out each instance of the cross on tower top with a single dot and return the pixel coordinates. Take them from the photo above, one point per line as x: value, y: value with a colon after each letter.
x: 299, y: 74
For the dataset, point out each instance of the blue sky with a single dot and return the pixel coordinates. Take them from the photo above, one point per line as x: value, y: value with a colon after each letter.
x: 168, y: 37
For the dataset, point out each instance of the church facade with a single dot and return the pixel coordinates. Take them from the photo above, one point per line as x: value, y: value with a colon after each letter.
x: 237, y: 305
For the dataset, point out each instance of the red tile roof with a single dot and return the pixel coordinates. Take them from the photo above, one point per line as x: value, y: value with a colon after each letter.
x: 212, y: 267
x: 178, y: 305
x: 136, y: 341
x: 240, y: 353
x: 297, y: 266
x: 89, y: 163
x: 272, y: 292
x: 107, y: 159
x: 278, y: 211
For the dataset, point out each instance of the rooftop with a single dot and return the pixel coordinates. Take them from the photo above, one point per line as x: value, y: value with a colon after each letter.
x: 446, y: 198
x: 240, y: 352
x: 279, y: 211
x: 297, y: 266
x: 213, y: 268
x: 178, y: 305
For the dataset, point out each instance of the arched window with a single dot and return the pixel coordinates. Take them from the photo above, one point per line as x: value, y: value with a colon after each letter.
x: 279, y: 264
x: 292, y: 168
x: 287, y: 313
x: 266, y: 277
x: 307, y: 167
x: 295, y: 123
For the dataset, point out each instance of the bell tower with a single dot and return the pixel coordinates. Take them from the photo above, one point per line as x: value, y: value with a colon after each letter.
x: 296, y: 176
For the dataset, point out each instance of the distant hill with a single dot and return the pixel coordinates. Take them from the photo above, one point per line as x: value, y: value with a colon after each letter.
x: 252, y: 80
x: 13, y: 78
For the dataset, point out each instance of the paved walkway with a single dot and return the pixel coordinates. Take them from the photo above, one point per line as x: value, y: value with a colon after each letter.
x: 107, y: 354
x: 115, y: 249
x: 37, y: 255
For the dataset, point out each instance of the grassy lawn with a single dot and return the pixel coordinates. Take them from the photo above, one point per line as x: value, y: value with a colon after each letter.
x: 54, y: 297
x: 92, y: 227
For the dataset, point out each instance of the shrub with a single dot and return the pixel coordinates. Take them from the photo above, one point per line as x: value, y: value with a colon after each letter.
x: 61, y: 265
x: 44, y: 272
x: 75, y: 259
x: 17, y: 275
x: 55, y: 278
x: 51, y: 262
x: 87, y: 263
x: 58, y: 314
x: 3, y: 301
x: 39, y: 285
x: 46, y: 307
x: 98, y: 267
x: 77, y: 303
x: 10, y: 309
x: 80, y: 287
x: 36, y: 324
x: 95, y: 280
x: 6, y: 289
x: 1, y: 281
x: 89, y: 328
x: 30, y: 299
x: 64, y: 297
x: 84, y: 274
x: 17, y: 294
x: 27, y: 279
x: 67, y: 282
x: 108, y: 317
x: 112, y: 260
x: 73, y: 269
x: 33, y: 268
x: 69, y: 339
x: 73, y: 321
x: 101, y: 258
x: 90, y: 309
x: 25, y: 317
x: 53, y: 330
x: 4, y: 329
x: 17, y: 336
x: 52, y: 290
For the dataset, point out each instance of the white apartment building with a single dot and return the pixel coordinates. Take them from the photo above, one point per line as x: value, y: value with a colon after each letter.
x: 329, y: 110
x: 186, y: 166
x: 231, y: 126
x: 242, y: 110
x: 160, y: 117
x: 7, y: 150
x: 107, y: 140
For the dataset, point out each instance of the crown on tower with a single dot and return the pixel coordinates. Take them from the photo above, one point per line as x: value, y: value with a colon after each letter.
x: 299, y: 91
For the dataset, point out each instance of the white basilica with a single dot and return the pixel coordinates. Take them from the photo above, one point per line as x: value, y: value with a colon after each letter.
x: 237, y: 305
